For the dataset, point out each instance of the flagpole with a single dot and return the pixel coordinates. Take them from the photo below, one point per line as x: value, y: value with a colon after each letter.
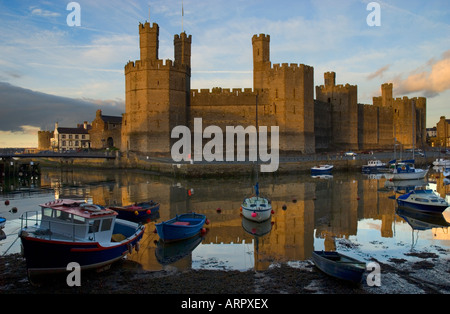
x: 182, y: 17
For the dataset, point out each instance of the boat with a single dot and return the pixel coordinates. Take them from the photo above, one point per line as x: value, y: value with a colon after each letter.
x: 442, y: 162
x: 181, y: 227
x: 424, y: 200
x: 374, y: 166
x: 405, y: 170
x: 339, y: 265
x: 66, y: 231
x: 137, y: 211
x: 446, y: 173
x: 256, y: 208
x: 2, y: 222
x: 321, y: 169
x: 419, y: 220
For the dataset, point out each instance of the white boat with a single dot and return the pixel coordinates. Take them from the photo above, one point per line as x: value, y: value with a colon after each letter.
x: 373, y: 166
x: 256, y: 208
x: 442, y: 162
x: 405, y: 170
x: 321, y: 169
x: 423, y: 200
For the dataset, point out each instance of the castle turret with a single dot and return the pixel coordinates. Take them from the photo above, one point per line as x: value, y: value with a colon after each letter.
x: 261, y: 59
x: 182, y: 45
x: 149, y: 41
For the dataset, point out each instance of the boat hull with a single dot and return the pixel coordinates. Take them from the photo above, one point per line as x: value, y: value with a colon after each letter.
x: 339, y: 266
x: 256, y: 209
x: 182, y: 227
x: 422, y: 207
x: 418, y: 174
x: 52, y: 256
x: 326, y: 169
x: 2, y: 222
x: 138, y: 212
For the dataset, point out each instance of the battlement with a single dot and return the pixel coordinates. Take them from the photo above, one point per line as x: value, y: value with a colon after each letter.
x: 340, y: 88
x: 226, y: 92
x: 146, y: 27
x: 291, y: 66
x: 166, y: 64
x: 183, y: 36
x: 261, y: 37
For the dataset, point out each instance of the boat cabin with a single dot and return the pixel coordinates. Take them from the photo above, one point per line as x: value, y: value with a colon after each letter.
x: 77, y: 220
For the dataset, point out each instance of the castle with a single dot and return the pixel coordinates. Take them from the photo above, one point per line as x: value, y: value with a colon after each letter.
x: 158, y: 97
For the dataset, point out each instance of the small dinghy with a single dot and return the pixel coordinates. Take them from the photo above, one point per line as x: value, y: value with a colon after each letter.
x: 181, y: 227
x: 339, y: 265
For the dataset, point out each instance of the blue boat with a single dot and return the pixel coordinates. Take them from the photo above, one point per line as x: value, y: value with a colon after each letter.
x: 339, y: 265
x: 2, y: 222
x: 66, y: 231
x: 322, y: 169
x: 181, y: 227
x: 137, y: 211
x: 423, y: 200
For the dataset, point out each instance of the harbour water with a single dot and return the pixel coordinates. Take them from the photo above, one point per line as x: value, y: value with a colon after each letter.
x: 349, y: 212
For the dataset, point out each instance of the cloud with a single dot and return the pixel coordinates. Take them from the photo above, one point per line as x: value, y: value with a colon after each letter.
x: 44, y: 13
x: 378, y: 73
x: 23, y: 109
x: 431, y: 79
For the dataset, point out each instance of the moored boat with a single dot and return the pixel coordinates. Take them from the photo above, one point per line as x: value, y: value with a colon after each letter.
x: 373, y: 166
x: 339, y: 265
x: 137, y: 211
x: 442, y: 162
x: 405, y: 170
x: 66, y: 231
x: 256, y: 208
x: 181, y: 227
x: 423, y: 200
x: 319, y: 169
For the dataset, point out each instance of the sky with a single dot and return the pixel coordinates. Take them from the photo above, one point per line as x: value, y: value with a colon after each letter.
x: 52, y: 72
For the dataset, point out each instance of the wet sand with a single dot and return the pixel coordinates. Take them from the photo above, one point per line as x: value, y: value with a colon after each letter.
x: 417, y: 273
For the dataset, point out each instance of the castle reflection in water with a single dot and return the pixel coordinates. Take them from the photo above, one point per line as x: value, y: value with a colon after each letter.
x: 306, y: 210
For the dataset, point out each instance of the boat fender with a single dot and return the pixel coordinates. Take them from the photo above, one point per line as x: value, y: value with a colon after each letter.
x: 218, y: 210
x: 149, y: 211
x: 137, y: 247
x: 154, y: 231
x: 284, y: 207
x: 254, y: 214
x: 136, y: 212
x: 207, y: 221
x: 130, y: 248
x: 272, y: 212
x: 6, y: 202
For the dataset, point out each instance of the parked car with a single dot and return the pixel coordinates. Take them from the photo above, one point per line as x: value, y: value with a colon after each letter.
x: 350, y: 154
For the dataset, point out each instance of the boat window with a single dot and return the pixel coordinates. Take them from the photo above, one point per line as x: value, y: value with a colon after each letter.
x: 419, y: 199
x: 106, y: 224
x: 47, y: 212
x: 78, y: 219
x: 94, y: 225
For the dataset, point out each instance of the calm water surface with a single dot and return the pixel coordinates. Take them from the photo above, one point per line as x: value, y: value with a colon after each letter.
x: 349, y: 212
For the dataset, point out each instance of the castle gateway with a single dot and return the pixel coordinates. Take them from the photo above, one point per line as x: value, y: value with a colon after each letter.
x: 158, y: 98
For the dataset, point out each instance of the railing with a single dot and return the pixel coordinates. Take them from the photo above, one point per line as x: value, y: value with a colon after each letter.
x: 41, y: 230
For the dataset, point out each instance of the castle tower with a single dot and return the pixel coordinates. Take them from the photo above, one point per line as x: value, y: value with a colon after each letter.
x: 182, y: 44
x: 261, y: 60
x: 149, y: 41
x: 344, y: 108
x: 386, y: 95
x: 157, y: 94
